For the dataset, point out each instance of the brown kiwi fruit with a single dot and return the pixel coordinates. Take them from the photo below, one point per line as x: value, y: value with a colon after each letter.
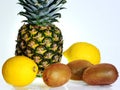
x: 77, y: 68
x: 56, y: 74
x: 100, y: 74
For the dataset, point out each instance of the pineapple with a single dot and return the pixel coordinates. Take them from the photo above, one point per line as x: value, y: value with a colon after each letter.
x: 38, y: 38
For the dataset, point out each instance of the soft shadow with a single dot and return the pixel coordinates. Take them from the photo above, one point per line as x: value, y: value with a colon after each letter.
x: 35, y: 87
x: 59, y: 88
x: 80, y: 85
x: 40, y: 87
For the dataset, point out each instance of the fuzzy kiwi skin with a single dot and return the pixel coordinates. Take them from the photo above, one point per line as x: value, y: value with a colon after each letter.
x: 77, y: 68
x: 56, y: 75
x: 100, y: 74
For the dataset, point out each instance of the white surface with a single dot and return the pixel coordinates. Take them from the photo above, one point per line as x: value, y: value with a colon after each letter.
x: 71, y: 85
x: 94, y: 21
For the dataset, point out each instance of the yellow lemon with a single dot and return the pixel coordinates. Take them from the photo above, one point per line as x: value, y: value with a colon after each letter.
x: 19, y: 71
x: 83, y: 51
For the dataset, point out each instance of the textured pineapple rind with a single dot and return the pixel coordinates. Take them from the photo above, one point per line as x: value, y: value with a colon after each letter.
x: 43, y: 44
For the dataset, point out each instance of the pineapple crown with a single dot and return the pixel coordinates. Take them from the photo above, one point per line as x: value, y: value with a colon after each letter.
x: 41, y: 12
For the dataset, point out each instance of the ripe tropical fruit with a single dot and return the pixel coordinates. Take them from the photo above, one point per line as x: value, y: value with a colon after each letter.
x: 56, y: 74
x: 83, y: 51
x: 100, y: 74
x: 40, y: 39
x: 19, y: 71
x: 77, y: 68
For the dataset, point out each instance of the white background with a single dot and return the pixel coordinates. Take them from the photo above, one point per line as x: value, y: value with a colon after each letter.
x: 93, y: 21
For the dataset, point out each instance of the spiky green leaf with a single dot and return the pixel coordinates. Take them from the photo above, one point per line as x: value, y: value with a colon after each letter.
x: 41, y: 11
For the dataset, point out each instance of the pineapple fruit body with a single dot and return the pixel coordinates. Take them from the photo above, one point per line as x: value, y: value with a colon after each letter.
x: 39, y: 39
x: 43, y: 44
